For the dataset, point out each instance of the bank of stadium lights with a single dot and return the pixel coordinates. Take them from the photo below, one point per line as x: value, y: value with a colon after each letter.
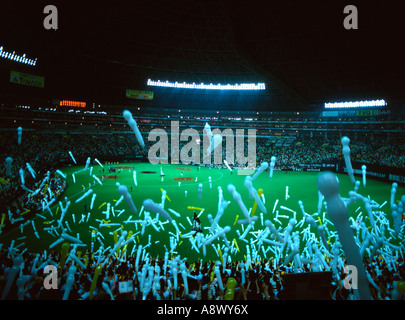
x: 184, y: 85
x: 17, y: 58
x: 356, y: 104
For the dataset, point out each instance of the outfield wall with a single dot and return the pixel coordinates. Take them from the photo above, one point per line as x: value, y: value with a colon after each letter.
x: 373, y: 171
x: 378, y: 172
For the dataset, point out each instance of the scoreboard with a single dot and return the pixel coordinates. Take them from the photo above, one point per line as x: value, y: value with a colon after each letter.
x: 71, y: 103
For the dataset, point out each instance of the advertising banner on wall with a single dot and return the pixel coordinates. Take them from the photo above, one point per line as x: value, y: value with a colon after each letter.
x: 27, y: 79
x: 378, y: 172
x: 357, y: 113
x: 139, y: 95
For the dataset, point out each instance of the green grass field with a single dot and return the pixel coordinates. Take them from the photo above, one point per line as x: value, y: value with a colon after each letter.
x: 302, y: 186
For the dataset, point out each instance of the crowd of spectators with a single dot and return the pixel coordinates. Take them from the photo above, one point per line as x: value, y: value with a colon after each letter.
x: 300, y: 151
x: 305, y: 150
x: 263, y: 280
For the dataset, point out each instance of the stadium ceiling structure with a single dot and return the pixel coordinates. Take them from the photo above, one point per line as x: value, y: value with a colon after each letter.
x: 299, y: 49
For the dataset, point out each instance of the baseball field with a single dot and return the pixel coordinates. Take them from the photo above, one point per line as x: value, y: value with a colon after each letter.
x: 181, y: 184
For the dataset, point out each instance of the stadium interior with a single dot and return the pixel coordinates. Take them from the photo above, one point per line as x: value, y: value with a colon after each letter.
x: 100, y: 58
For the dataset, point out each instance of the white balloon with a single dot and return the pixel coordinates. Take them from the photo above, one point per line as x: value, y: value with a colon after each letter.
x: 346, y: 154
x: 123, y: 190
x: 152, y: 206
x: 328, y: 185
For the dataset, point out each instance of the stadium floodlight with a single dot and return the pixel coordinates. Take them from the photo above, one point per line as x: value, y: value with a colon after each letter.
x: 17, y: 58
x: 184, y: 85
x: 356, y: 104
